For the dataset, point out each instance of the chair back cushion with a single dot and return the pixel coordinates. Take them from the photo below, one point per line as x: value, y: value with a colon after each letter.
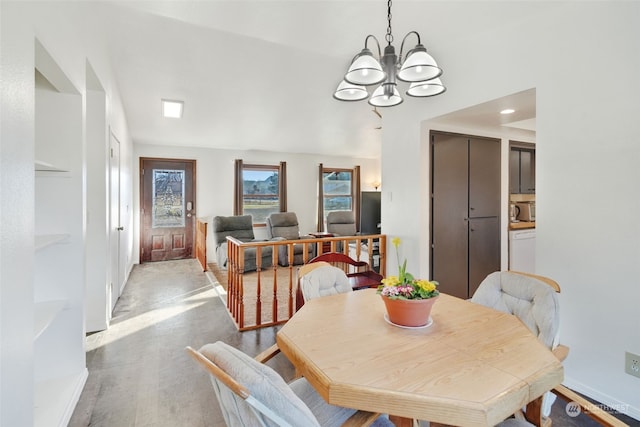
x: 341, y: 223
x: 239, y: 226
x: 264, y: 385
x: 322, y: 281
x: 534, y: 302
x: 283, y: 224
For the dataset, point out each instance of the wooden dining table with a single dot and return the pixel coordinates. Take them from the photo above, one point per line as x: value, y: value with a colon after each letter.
x: 472, y: 366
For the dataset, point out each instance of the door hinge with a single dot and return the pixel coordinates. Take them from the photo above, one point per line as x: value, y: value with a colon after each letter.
x: 112, y: 153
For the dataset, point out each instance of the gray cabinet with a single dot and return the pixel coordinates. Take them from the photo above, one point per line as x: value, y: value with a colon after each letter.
x: 465, y: 211
x: 522, y: 170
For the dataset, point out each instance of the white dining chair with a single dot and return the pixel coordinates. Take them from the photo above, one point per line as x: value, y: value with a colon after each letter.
x: 321, y: 279
x: 252, y: 394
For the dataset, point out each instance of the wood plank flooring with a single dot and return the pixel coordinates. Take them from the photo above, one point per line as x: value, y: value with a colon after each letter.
x: 139, y: 373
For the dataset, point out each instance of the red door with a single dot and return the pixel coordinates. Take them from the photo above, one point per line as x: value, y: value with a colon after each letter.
x: 168, y: 209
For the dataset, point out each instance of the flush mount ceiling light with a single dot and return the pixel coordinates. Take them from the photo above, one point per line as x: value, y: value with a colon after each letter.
x: 418, y: 68
x: 508, y: 111
x: 172, y: 109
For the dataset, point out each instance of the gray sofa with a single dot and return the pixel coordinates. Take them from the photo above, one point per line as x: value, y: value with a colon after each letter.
x: 241, y: 228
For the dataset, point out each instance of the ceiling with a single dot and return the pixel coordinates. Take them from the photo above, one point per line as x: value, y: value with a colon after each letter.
x: 259, y: 75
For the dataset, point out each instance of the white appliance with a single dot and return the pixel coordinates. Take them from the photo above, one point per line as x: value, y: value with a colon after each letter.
x: 522, y: 250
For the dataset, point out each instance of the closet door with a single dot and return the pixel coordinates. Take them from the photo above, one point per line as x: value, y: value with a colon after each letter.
x: 449, y: 207
x: 484, y: 177
x: 465, y: 211
x: 484, y: 250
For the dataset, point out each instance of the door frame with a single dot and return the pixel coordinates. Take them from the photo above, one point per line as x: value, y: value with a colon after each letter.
x: 141, y: 194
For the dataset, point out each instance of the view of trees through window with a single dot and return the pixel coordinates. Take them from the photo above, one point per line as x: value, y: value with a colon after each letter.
x: 337, y: 190
x: 260, y: 192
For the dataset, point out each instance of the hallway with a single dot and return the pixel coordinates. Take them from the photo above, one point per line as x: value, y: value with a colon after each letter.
x: 139, y: 373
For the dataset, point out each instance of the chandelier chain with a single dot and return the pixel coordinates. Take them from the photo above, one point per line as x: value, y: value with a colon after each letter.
x: 389, y: 37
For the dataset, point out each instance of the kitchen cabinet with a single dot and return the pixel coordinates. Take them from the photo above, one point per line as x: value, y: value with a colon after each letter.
x: 465, y: 211
x: 522, y: 170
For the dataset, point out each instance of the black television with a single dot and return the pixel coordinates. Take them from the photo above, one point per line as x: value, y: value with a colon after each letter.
x: 370, y: 212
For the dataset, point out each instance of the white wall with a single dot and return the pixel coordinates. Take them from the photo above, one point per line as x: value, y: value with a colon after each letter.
x: 214, y: 188
x: 580, y: 58
x: 69, y: 32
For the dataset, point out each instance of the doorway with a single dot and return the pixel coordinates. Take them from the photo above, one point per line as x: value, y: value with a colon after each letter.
x: 167, y: 218
x: 465, y: 211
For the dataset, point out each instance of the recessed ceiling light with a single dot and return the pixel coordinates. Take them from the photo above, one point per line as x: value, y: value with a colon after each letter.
x: 172, y: 109
x: 508, y: 111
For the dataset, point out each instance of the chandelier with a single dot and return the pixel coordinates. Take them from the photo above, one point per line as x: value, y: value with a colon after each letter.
x: 418, y: 68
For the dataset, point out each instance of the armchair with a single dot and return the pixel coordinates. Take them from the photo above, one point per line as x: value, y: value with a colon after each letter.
x: 341, y: 223
x: 240, y: 227
x: 284, y: 226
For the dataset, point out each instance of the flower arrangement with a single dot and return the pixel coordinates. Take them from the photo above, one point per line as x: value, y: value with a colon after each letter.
x: 404, y: 286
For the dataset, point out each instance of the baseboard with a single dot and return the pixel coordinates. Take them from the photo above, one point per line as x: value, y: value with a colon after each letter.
x: 605, y: 399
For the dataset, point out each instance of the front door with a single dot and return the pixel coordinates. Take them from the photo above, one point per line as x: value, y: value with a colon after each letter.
x: 168, y: 209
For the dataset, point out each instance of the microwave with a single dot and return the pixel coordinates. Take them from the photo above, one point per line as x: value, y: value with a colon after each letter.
x: 526, y: 211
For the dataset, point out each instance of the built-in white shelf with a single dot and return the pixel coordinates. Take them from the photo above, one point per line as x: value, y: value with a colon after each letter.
x: 55, y: 399
x: 44, y: 314
x: 44, y: 240
x: 41, y: 166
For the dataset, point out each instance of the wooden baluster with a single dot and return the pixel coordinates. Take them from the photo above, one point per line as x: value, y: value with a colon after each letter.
x: 259, y: 286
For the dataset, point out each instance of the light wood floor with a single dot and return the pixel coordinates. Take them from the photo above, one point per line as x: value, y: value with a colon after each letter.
x: 139, y: 373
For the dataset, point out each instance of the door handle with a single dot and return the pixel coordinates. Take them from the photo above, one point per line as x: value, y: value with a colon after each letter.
x: 120, y: 228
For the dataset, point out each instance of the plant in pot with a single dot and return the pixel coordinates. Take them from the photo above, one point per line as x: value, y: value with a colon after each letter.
x: 408, y: 300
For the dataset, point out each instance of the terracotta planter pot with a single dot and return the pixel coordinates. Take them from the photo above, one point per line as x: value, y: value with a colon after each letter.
x: 413, y: 312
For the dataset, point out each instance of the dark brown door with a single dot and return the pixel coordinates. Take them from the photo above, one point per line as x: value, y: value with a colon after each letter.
x: 484, y: 177
x: 168, y: 209
x: 484, y: 250
x: 465, y: 211
x: 449, y: 226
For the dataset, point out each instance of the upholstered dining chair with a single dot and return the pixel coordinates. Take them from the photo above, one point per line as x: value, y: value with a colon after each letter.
x: 533, y: 299
x: 320, y: 279
x: 252, y: 394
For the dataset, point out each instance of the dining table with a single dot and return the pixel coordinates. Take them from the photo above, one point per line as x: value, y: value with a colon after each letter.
x: 470, y: 365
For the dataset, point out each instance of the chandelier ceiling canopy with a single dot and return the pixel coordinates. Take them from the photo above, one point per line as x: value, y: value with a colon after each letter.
x: 418, y: 68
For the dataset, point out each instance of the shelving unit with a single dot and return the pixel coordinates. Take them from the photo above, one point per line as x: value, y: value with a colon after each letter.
x: 58, y: 307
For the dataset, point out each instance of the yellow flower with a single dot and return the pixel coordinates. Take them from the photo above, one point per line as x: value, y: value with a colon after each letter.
x: 426, y: 285
x: 391, y: 281
x: 395, y: 242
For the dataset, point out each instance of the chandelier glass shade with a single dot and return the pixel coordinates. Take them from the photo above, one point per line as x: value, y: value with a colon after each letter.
x: 429, y: 88
x: 418, y: 68
x: 365, y: 70
x: 350, y: 92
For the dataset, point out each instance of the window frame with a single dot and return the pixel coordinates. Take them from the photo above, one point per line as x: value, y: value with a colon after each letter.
x: 281, y: 187
x: 352, y: 195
